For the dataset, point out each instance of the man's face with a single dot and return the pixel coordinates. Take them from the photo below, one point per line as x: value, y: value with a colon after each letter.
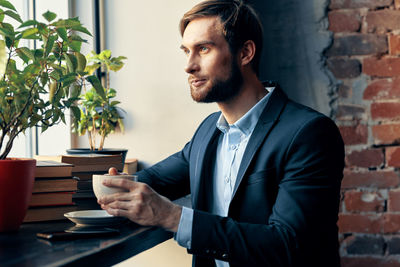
x: 214, y: 75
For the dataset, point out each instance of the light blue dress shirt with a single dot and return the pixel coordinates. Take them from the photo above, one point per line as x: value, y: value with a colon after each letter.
x: 231, y: 146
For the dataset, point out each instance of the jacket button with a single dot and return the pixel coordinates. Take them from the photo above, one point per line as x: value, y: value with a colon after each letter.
x: 207, y: 251
x: 225, y: 256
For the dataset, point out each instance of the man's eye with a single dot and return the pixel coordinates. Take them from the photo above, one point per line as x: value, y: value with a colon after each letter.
x: 203, y: 49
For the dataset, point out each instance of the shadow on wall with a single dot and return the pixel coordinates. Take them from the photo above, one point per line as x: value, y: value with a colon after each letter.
x: 295, y: 37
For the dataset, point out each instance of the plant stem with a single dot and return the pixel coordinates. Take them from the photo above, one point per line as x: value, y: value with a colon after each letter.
x: 103, y: 136
x: 90, y: 140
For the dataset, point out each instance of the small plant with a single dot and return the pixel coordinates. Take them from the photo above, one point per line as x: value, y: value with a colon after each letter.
x: 37, y: 85
x: 97, y: 113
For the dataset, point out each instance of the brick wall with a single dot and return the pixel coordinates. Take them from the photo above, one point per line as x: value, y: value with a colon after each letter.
x: 365, y: 59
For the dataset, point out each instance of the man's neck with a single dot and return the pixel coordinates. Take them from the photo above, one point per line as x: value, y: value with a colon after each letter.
x: 252, y: 91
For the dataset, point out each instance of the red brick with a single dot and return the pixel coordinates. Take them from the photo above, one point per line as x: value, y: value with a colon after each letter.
x: 394, y: 200
x: 383, y: 20
x: 365, y: 158
x: 358, y: 44
x: 385, y: 110
x: 368, y: 262
x: 365, y: 245
x: 393, y: 156
x: 394, y: 44
x: 360, y: 223
x: 383, y: 89
x: 393, y: 245
x: 344, y: 68
x: 354, y: 135
x: 391, y: 223
x: 335, y: 4
x: 386, y: 133
x: 344, y: 21
x: 384, y: 67
x: 350, y: 112
x: 369, y: 179
x: 357, y: 201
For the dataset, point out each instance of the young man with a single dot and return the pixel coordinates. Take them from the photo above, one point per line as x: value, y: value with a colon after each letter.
x: 264, y: 173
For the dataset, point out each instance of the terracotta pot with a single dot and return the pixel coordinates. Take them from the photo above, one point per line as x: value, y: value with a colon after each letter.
x: 16, y: 183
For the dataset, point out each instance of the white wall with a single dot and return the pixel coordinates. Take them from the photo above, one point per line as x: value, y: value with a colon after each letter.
x: 161, y: 116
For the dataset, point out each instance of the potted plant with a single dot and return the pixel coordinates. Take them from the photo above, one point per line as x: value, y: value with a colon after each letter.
x: 97, y: 113
x: 35, y: 90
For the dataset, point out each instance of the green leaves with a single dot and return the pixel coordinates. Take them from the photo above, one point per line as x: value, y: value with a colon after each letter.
x: 28, y: 23
x: 25, y: 54
x: 97, y: 86
x: 7, y: 30
x: 3, y: 58
x: 99, y: 115
x: 68, y: 23
x: 36, y: 91
x: 49, y: 43
x: 72, y: 62
x: 81, y: 61
x: 49, y: 16
x: 51, y: 77
x: 62, y: 32
x: 13, y: 15
x: 7, y: 4
x: 29, y: 32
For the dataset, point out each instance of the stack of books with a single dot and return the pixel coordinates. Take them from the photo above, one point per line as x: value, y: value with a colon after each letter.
x: 53, y: 191
x: 84, y: 166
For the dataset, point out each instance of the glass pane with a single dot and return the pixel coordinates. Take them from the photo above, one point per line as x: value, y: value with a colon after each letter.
x: 56, y: 139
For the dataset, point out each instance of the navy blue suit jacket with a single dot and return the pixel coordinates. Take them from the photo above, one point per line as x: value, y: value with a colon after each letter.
x: 285, y: 202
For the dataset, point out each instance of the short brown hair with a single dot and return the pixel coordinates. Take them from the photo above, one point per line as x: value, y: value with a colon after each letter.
x: 239, y: 20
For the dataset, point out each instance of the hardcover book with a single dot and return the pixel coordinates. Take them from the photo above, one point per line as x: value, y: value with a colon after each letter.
x: 50, y: 168
x: 51, y: 199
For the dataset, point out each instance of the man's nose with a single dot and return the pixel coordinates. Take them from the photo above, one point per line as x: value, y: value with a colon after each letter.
x: 192, y: 65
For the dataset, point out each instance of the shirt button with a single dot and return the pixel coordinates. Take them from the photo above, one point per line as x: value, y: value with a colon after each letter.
x: 224, y: 256
x: 227, y: 179
x: 233, y: 147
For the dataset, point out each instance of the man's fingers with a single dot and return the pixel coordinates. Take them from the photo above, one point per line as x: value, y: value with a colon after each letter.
x: 120, y: 182
x: 117, y: 212
x: 115, y: 197
x: 120, y: 205
x: 113, y: 171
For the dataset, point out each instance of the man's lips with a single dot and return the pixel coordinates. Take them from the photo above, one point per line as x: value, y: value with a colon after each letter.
x: 197, y: 82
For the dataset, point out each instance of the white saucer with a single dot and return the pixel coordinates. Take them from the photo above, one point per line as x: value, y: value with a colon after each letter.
x: 93, y: 217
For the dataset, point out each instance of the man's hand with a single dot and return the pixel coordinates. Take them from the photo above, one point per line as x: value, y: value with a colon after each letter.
x: 141, y: 204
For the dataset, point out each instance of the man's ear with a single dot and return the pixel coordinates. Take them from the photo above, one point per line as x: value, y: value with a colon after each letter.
x: 247, y: 52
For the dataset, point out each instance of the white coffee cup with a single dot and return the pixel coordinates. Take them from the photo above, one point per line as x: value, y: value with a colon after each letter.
x: 101, y: 190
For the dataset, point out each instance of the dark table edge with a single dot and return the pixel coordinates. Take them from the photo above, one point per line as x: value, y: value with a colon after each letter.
x: 131, y: 246
x: 147, y: 238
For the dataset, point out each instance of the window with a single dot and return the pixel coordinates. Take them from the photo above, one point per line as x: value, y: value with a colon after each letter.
x: 57, y: 138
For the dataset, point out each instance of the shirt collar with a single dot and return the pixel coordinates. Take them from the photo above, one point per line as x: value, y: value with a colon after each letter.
x: 248, y: 121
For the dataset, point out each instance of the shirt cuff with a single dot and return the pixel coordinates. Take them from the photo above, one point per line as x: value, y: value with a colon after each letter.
x: 184, y: 234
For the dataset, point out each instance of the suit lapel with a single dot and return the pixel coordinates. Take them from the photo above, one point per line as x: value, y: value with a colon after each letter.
x: 267, y: 120
x: 208, y: 145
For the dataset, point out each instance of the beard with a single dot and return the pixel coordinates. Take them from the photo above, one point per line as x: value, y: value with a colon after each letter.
x: 221, y: 90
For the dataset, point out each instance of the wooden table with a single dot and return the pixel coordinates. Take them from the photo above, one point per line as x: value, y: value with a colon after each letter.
x: 23, y: 248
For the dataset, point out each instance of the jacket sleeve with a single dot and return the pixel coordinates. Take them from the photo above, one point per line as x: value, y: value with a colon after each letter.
x: 169, y: 177
x: 305, y: 209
